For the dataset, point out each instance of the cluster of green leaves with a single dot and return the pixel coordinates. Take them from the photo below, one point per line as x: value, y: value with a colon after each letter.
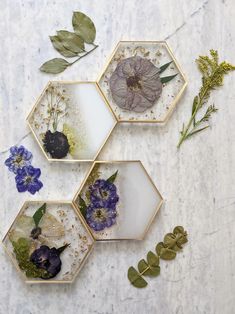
x: 91, y: 179
x: 22, y: 254
x: 166, y: 79
x: 213, y: 74
x: 166, y: 250
x: 71, y: 44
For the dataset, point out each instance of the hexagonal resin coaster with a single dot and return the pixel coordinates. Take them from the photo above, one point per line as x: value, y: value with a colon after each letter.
x: 48, y: 242
x: 118, y: 200
x: 142, y: 81
x: 71, y: 121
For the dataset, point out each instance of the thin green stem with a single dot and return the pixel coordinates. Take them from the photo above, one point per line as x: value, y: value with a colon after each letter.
x: 185, y: 132
x: 85, y: 54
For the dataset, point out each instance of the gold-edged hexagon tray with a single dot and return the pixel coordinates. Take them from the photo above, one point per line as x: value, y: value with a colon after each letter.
x: 118, y: 200
x: 142, y: 81
x: 71, y: 121
x: 48, y: 242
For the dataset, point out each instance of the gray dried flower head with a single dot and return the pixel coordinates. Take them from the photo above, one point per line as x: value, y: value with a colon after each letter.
x: 135, y: 84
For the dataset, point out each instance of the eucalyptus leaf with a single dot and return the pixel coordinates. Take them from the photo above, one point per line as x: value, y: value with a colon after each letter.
x: 39, y: 214
x: 135, y: 278
x: 152, y: 259
x: 179, y: 229
x: 165, y: 253
x: 82, y: 206
x: 167, y: 79
x: 71, y: 41
x: 165, y: 66
x: 113, y: 177
x: 57, y: 44
x: 84, y: 27
x: 54, y: 66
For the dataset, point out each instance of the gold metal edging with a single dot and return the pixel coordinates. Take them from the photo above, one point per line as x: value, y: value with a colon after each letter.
x: 26, y: 280
x: 176, y: 99
x: 70, y: 83
x: 150, y: 180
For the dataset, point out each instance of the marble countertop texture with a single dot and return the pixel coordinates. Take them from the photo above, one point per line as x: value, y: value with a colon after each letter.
x: 197, y: 182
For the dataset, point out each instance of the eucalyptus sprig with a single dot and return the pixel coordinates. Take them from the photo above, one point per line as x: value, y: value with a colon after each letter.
x: 72, y: 44
x: 166, y: 250
x: 213, y: 74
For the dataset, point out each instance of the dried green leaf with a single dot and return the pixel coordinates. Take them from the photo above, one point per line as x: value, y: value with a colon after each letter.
x: 152, y: 259
x: 84, y: 27
x: 179, y: 229
x: 71, y: 41
x: 195, y: 103
x: 167, y: 79
x: 113, y: 177
x: 146, y: 270
x: 164, y: 252
x: 54, y: 66
x: 82, y: 206
x: 57, y: 44
x: 135, y: 278
x: 39, y: 214
x: 165, y: 66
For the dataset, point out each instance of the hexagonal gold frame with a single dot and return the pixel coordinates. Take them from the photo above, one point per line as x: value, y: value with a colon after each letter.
x: 71, y: 82
x: 174, y: 102
x: 49, y: 281
x: 151, y: 182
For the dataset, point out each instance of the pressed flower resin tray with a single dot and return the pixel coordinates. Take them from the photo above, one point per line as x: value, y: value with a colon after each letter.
x: 118, y: 200
x: 142, y: 81
x: 71, y: 121
x: 48, y: 242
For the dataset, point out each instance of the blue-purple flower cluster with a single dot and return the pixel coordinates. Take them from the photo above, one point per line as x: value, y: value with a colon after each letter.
x: 102, y: 213
x: 27, y: 177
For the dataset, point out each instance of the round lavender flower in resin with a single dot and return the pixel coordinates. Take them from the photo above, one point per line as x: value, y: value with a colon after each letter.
x: 135, y: 84
x: 99, y: 218
x: 18, y: 158
x: 103, y: 194
x: 27, y: 179
x: 48, y: 259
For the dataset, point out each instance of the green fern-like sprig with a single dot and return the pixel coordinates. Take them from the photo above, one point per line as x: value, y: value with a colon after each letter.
x: 213, y: 74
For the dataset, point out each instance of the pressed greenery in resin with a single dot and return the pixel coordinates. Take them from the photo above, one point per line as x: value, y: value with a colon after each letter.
x: 34, y: 250
x: 99, y: 203
x: 166, y: 250
x: 136, y: 84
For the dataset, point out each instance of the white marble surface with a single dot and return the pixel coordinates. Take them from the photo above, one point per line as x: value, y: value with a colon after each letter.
x: 197, y: 182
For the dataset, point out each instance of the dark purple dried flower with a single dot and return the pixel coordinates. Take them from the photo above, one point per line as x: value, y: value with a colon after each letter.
x: 99, y: 218
x: 103, y: 194
x: 27, y: 179
x: 135, y: 84
x: 48, y: 259
x: 56, y: 144
x: 18, y: 158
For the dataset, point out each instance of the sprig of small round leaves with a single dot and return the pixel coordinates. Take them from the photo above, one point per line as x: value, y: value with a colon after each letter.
x: 72, y: 44
x: 166, y: 250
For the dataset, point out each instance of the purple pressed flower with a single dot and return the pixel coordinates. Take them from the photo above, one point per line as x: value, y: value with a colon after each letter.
x: 48, y: 259
x: 103, y: 194
x: 135, y: 84
x: 19, y: 158
x: 27, y: 179
x: 99, y: 218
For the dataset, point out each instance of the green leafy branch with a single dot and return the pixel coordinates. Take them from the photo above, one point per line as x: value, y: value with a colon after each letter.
x: 213, y: 74
x: 166, y: 250
x: 72, y: 44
